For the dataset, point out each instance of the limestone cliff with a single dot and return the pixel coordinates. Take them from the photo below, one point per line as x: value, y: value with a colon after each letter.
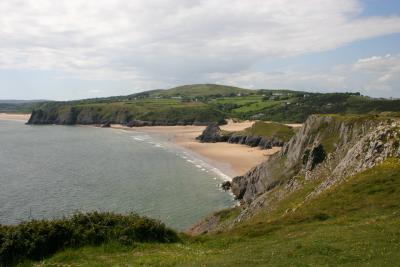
x: 331, y: 146
x: 328, y: 149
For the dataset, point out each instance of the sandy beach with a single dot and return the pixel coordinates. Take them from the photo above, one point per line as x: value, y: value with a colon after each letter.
x: 14, y: 117
x: 233, y: 159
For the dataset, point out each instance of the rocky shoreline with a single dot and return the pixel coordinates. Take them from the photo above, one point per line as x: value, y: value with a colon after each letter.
x: 214, y: 134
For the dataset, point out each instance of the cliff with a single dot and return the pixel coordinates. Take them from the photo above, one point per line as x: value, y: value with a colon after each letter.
x: 330, y: 146
x: 121, y: 113
x: 326, y: 151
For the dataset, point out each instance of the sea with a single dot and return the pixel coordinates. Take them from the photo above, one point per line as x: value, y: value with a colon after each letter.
x: 49, y: 172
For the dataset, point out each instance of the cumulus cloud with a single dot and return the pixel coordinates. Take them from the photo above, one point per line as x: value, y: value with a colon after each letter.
x: 375, y: 76
x: 386, y: 67
x: 165, y: 42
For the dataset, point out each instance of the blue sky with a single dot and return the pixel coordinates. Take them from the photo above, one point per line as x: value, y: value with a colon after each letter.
x: 79, y: 49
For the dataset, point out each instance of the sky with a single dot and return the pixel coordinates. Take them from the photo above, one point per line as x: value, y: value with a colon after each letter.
x: 73, y: 49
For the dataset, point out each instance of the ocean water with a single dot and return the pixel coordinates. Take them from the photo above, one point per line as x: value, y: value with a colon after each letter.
x: 54, y: 171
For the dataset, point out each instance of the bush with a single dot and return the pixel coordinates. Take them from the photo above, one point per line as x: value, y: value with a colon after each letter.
x: 39, y: 238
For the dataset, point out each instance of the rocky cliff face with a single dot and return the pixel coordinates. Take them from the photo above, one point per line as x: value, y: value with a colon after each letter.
x: 327, y: 150
x: 255, y: 141
x: 329, y: 147
x: 67, y: 116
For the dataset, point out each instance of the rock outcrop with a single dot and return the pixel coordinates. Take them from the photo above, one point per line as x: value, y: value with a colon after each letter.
x: 255, y: 141
x: 106, y: 125
x: 212, y: 134
x: 226, y: 185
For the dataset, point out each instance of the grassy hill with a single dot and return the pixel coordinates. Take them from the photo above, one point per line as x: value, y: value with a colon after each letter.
x: 353, y: 224
x: 205, y: 103
x: 204, y: 91
x: 270, y: 130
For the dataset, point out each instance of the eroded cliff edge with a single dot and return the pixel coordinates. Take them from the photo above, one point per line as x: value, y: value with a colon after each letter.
x: 328, y: 149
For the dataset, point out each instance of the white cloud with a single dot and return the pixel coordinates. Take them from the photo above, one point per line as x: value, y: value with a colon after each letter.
x: 163, y: 41
x: 386, y: 67
x: 375, y: 76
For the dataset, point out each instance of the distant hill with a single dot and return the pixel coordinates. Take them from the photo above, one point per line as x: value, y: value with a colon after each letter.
x: 19, y: 106
x: 16, y: 101
x: 204, y: 90
x: 206, y: 103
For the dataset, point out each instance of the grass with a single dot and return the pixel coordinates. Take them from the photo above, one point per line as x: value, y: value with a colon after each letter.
x: 257, y: 106
x: 204, y: 90
x: 353, y: 224
x: 270, y: 129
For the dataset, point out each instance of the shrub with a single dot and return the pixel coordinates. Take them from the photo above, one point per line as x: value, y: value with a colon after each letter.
x: 39, y: 238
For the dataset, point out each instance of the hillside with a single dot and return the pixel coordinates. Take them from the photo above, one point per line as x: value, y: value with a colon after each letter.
x: 330, y: 197
x: 353, y: 224
x: 205, y: 103
x: 203, y: 91
x: 327, y: 150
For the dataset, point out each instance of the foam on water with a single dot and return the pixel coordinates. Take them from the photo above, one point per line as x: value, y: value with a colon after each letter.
x: 182, y: 153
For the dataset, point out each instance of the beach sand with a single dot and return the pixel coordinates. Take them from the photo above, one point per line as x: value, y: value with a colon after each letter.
x: 14, y: 117
x: 232, y: 159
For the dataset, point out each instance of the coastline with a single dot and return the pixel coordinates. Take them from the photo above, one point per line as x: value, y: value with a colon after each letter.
x: 14, y: 117
x: 232, y: 159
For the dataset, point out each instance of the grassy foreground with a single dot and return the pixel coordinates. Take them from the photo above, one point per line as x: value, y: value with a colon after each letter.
x: 40, y: 238
x: 354, y: 224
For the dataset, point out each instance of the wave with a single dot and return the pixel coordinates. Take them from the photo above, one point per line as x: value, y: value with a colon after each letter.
x: 182, y: 153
